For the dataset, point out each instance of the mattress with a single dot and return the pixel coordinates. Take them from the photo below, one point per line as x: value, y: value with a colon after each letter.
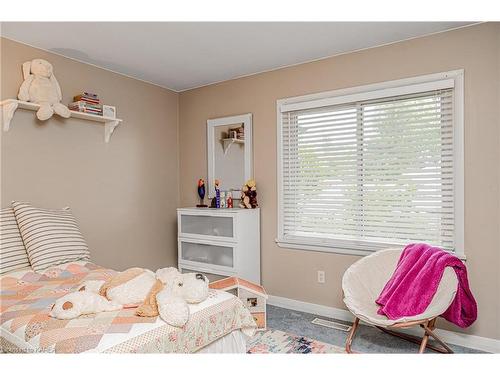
x: 25, y: 326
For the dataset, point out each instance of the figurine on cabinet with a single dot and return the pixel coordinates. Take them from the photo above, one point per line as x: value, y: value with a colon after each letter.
x: 249, y: 195
x: 217, y: 193
x: 201, y: 193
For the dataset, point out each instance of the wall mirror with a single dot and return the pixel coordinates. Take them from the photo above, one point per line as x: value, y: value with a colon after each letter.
x: 229, y: 148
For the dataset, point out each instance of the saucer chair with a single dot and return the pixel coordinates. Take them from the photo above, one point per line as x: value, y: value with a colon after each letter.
x: 362, y: 284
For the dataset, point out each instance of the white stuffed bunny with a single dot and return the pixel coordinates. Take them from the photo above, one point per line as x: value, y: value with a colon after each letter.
x: 40, y: 86
x: 74, y: 304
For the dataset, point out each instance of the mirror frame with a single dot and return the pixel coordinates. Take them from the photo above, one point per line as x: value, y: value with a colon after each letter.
x: 245, y: 119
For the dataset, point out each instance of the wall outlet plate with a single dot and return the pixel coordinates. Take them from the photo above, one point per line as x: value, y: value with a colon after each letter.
x: 321, y: 277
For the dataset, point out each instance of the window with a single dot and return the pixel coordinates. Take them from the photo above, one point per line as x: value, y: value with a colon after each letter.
x: 371, y: 167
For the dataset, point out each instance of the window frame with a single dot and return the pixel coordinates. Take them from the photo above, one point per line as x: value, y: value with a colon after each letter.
x: 454, y: 78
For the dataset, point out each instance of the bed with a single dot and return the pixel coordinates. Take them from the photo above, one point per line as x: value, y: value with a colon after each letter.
x: 220, y: 324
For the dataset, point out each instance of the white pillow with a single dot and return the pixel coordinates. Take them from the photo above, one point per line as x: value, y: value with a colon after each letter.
x: 13, y: 255
x: 51, y: 236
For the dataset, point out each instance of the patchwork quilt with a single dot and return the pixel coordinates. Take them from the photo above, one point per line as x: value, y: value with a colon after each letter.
x: 26, y: 327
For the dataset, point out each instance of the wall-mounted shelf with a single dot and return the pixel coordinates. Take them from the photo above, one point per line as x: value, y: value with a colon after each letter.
x: 227, y: 142
x: 9, y: 106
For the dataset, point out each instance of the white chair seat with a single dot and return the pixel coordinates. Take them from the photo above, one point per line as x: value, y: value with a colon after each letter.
x: 365, y: 279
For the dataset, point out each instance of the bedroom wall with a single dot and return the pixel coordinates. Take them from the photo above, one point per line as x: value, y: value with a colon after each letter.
x: 292, y: 273
x: 124, y: 194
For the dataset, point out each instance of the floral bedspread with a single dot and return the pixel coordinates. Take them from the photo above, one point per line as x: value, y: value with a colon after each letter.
x: 26, y: 327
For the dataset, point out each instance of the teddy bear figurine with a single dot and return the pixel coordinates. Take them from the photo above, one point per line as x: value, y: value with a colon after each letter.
x: 249, y: 195
x: 40, y: 86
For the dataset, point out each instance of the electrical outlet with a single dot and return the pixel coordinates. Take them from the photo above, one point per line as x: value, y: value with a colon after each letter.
x: 321, y: 277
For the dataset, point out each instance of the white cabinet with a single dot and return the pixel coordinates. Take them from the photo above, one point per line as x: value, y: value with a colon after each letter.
x: 223, y: 241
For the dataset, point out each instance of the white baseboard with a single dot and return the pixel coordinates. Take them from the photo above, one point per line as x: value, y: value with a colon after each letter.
x: 474, y: 342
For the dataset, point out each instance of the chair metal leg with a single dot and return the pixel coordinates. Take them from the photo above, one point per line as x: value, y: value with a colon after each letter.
x: 348, y: 342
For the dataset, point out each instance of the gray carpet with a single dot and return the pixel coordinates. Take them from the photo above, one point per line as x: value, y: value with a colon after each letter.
x: 367, y: 339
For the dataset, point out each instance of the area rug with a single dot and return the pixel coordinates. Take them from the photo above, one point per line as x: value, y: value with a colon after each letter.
x: 274, y: 341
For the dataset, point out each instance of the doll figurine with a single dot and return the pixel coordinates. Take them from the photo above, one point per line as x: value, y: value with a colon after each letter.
x: 217, y: 194
x: 201, y: 193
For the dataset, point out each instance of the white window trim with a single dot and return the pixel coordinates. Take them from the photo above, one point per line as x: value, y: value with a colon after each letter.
x: 429, y: 82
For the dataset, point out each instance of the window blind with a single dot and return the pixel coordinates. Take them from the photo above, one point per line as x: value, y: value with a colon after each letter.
x: 367, y: 174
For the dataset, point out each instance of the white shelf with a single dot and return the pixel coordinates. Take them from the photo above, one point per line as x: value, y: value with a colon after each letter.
x: 227, y: 142
x: 9, y: 106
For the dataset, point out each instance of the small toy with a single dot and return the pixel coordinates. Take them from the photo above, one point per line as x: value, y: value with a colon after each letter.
x: 222, y: 199
x: 249, y: 195
x: 229, y: 200
x: 213, y: 203
x: 217, y: 194
x: 201, y: 193
x: 252, y: 295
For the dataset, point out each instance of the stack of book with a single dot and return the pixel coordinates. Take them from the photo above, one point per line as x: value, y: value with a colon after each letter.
x: 240, y: 133
x: 237, y: 133
x: 88, y: 103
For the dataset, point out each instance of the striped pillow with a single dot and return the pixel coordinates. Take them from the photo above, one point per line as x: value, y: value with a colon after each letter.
x: 13, y: 254
x: 51, y: 236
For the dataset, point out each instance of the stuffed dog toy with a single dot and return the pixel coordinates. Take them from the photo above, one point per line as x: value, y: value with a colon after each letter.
x: 166, y: 294
x: 40, y: 86
x: 171, y: 295
x: 125, y: 289
x: 74, y: 304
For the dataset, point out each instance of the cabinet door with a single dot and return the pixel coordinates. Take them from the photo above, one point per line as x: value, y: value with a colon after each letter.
x: 215, y: 227
x: 206, y: 255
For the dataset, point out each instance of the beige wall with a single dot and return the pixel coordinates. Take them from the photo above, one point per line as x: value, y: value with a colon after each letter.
x: 292, y: 273
x: 124, y: 193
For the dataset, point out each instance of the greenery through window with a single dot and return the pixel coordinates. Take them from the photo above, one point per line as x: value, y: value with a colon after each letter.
x: 378, y: 171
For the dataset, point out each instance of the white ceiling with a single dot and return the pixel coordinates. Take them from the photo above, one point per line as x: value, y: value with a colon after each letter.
x: 180, y: 56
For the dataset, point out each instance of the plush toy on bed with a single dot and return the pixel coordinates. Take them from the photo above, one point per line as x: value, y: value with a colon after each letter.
x: 166, y: 293
x: 40, y: 86
x: 171, y: 295
x: 124, y: 289
x: 74, y: 304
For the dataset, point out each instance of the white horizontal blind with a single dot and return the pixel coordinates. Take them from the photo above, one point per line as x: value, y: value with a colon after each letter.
x: 371, y: 173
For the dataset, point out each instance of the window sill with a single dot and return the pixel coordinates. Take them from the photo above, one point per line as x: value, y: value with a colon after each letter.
x: 338, y: 250
x: 321, y: 249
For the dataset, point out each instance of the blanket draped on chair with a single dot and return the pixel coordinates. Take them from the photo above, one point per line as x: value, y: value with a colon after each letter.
x: 412, y: 286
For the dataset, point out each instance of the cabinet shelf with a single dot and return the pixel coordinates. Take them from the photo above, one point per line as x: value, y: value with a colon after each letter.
x: 9, y: 106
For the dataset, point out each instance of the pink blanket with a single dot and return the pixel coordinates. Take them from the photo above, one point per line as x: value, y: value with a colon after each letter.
x: 415, y: 280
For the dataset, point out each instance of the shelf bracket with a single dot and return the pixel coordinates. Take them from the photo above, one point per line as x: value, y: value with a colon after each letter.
x: 226, y: 145
x: 8, y: 110
x: 109, y: 128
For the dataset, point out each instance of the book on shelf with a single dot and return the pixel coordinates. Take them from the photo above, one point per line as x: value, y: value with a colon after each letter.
x: 83, y: 104
x: 84, y: 107
x: 90, y: 95
x: 97, y: 113
x: 82, y: 98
